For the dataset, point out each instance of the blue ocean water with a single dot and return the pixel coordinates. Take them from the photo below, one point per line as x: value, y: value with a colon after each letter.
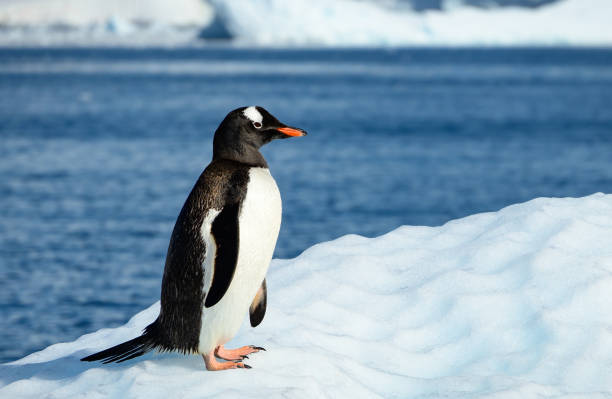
x: 100, y: 147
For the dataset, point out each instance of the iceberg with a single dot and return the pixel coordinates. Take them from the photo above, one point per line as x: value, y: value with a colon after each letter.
x: 305, y: 23
x: 102, y: 22
x: 363, y: 23
x: 514, y: 303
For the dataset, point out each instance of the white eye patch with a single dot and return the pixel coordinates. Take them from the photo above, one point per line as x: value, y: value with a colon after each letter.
x: 253, y: 114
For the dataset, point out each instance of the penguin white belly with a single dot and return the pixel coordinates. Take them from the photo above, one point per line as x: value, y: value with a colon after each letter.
x: 259, y: 223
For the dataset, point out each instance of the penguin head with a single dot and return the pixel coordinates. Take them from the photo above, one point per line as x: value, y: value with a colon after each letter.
x: 245, y: 130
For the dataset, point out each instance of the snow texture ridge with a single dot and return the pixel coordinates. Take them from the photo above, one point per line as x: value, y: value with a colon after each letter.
x: 515, y: 303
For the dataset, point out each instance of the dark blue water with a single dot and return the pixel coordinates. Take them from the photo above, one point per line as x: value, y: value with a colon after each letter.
x: 99, y: 148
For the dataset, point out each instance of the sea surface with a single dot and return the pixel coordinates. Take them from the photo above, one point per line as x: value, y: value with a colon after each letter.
x: 100, y: 147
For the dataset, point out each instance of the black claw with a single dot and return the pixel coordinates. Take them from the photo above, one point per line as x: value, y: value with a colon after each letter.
x: 259, y: 348
x: 246, y: 366
x: 245, y: 357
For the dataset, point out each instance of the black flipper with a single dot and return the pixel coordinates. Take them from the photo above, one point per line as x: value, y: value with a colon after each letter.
x: 258, y: 307
x: 127, y: 350
x: 225, y: 232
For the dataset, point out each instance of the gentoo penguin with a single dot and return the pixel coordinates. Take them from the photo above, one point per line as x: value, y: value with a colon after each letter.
x: 220, y: 249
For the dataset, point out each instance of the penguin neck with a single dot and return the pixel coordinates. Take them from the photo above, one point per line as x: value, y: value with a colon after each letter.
x: 239, y: 152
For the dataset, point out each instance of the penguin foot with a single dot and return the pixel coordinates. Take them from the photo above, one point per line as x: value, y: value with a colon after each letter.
x: 236, y: 354
x: 212, y: 364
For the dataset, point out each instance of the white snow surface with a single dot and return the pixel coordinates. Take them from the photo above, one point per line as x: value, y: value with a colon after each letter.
x: 509, y: 304
x: 301, y: 22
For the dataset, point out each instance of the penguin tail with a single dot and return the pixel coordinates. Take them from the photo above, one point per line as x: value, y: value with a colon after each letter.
x: 127, y: 350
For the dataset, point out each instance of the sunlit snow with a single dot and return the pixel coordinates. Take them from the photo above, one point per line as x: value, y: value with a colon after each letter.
x: 515, y: 303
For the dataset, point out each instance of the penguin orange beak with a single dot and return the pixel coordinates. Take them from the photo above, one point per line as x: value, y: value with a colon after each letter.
x: 291, y: 131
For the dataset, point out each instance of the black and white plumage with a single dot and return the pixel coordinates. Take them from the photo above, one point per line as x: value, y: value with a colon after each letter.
x: 220, y: 248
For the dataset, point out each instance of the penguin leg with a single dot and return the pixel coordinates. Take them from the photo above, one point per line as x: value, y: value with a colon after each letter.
x: 236, y: 354
x: 212, y: 364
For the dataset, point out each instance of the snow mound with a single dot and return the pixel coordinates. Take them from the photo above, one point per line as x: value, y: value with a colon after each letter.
x: 515, y: 303
x: 300, y: 22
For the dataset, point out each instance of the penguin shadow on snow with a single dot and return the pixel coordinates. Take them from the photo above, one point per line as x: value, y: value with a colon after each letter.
x: 65, y: 367
x: 70, y: 366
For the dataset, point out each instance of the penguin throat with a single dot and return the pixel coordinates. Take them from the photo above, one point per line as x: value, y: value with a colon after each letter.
x: 239, y: 152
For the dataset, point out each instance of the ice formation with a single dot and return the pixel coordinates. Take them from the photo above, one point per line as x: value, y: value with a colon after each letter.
x: 102, y: 22
x: 300, y: 22
x: 514, y: 303
x: 362, y: 23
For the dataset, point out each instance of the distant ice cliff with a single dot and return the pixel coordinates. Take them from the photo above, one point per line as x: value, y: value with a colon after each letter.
x: 306, y: 22
x: 362, y: 23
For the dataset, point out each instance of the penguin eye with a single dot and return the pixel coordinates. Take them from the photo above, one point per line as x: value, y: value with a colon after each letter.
x: 257, y: 125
